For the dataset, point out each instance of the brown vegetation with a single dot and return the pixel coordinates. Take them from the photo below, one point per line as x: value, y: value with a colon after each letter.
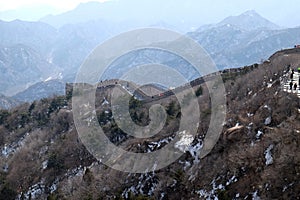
x: 46, y: 148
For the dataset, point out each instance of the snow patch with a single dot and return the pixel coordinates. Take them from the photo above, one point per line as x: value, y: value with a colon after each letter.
x: 79, y: 171
x: 271, y: 84
x: 185, y: 141
x: 7, y: 150
x: 105, y: 102
x: 44, y: 164
x: 268, y: 155
x: 53, y: 187
x: 255, y: 196
x: 233, y: 179
x: 259, y: 134
x: 287, y: 186
x: 48, y: 79
x: 185, y: 145
x: 249, y: 127
x: 146, y: 185
x: 35, y: 191
x: 267, y: 107
x: 268, y: 120
x: 60, y: 76
x: 155, y: 145
x: 186, y: 164
x: 195, y: 150
x: 250, y: 114
x: 162, y: 195
x: 209, y: 195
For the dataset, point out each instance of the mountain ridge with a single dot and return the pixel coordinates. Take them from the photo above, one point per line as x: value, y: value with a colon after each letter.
x: 249, y: 20
x: 65, y: 49
x: 267, y: 168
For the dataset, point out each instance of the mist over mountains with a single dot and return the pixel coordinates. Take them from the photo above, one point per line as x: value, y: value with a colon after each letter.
x: 230, y: 132
x: 244, y: 39
x: 132, y: 13
x: 55, y: 47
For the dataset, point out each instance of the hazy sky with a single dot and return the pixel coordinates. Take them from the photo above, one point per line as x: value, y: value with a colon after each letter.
x: 59, y: 5
x: 284, y: 13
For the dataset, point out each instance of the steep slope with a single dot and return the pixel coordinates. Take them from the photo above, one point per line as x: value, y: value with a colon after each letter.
x: 25, y: 54
x: 22, y: 66
x: 36, y: 35
x: 64, y: 49
x: 255, y: 157
x: 75, y: 41
x: 231, y: 46
x: 44, y: 89
x: 7, y: 102
x: 243, y: 39
x: 249, y: 20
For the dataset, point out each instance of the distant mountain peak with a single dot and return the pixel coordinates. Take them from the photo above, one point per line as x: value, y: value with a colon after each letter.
x: 89, y: 3
x: 250, y: 20
x: 250, y: 13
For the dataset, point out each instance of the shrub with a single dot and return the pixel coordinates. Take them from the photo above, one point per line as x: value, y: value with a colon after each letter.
x: 55, y: 162
x: 7, y: 193
x: 171, y: 110
x: 199, y: 91
x: 3, y: 116
x: 56, y: 104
